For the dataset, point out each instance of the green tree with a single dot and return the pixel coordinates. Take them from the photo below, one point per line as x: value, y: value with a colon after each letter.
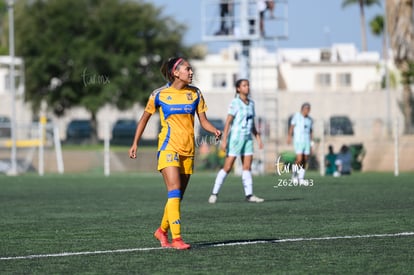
x: 400, y: 28
x: 3, y: 13
x: 362, y: 4
x: 93, y: 52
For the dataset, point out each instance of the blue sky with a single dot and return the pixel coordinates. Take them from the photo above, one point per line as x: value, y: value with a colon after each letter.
x: 308, y: 22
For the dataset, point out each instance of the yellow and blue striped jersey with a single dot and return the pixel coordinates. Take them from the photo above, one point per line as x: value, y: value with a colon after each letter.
x: 177, y: 109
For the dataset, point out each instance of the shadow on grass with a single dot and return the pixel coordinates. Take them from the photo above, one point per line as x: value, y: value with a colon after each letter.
x: 232, y: 243
x: 287, y: 199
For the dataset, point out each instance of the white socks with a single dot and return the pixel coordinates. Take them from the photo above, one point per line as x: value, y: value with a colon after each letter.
x: 301, y: 173
x: 247, y: 182
x: 221, y: 176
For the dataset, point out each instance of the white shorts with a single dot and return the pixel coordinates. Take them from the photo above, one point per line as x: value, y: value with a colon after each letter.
x: 240, y: 147
x: 302, y: 148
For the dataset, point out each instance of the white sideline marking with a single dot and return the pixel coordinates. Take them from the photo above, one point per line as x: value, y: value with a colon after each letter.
x: 317, y: 239
x: 65, y: 254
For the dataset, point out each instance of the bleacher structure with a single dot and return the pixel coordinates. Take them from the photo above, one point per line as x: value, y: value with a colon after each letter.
x: 240, y: 21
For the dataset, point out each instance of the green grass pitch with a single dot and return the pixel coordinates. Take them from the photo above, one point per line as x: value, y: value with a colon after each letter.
x: 297, y: 230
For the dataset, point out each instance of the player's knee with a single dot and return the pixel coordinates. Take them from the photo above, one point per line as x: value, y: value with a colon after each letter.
x: 227, y: 168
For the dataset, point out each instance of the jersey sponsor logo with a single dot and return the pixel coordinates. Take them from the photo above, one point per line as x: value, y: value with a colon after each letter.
x: 188, y: 109
x: 180, y: 109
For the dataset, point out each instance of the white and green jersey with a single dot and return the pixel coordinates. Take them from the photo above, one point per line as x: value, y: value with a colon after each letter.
x: 243, y: 119
x: 302, y: 128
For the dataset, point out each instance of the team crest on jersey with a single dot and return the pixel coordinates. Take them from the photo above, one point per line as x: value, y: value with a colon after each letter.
x: 169, y: 98
x: 189, y: 96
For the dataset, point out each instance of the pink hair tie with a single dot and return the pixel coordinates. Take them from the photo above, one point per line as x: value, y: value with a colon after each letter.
x: 176, y: 64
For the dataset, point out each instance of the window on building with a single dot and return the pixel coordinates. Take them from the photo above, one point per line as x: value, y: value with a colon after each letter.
x: 219, y: 80
x: 344, y: 80
x: 323, y: 80
x: 326, y: 55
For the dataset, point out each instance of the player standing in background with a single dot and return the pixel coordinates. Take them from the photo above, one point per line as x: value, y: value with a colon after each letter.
x: 237, y: 139
x: 300, y: 130
x: 330, y: 159
x: 343, y: 161
x: 177, y: 102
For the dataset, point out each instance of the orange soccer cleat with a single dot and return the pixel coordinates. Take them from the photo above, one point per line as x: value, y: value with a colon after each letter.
x: 162, y: 237
x: 178, y: 243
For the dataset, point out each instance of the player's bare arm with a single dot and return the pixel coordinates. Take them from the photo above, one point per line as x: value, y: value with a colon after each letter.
x: 142, y: 123
x: 257, y: 136
x: 290, y: 134
x: 226, y: 131
x: 205, y: 123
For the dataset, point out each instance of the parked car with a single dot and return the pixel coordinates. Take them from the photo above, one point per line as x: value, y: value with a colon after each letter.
x: 5, y: 127
x: 123, y: 131
x: 340, y: 125
x: 79, y: 131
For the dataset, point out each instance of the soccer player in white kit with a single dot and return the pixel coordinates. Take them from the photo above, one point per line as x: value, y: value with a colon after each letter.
x: 237, y: 140
x: 300, y: 130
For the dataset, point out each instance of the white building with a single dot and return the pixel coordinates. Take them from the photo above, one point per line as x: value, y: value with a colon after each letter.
x: 22, y: 113
x: 339, y: 68
x: 336, y: 81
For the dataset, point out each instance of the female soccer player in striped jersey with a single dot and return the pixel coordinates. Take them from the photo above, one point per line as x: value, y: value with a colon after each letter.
x: 178, y: 102
x: 237, y: 139
x: 300, y: 130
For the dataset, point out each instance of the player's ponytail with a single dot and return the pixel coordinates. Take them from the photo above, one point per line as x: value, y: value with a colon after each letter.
x: 169, y: 66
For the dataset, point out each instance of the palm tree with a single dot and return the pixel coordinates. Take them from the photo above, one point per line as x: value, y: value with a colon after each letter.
x: 400, y: 28
x: 362, y: 4
x: 377, y: 25
x: 377, y: 29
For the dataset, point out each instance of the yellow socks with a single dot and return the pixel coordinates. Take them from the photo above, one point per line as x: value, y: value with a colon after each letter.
x: 171, y: 217
x: 164, y: 222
